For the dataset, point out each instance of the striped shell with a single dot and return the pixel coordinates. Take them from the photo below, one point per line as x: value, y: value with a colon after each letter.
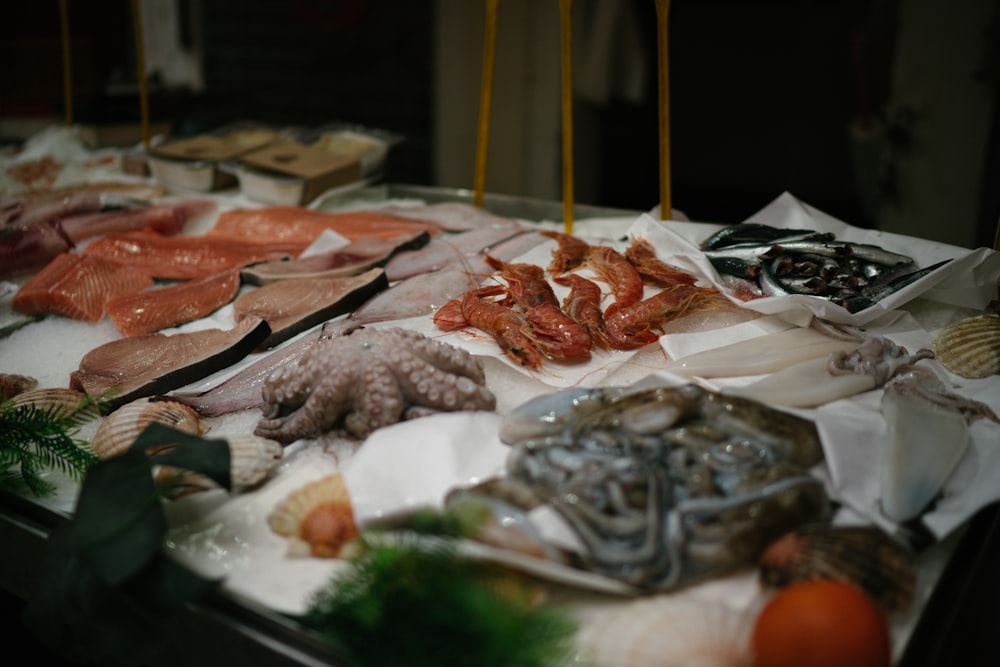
x: 666, y: 631
x: 119, y: 430
x: 52, y: 398
x: 317, y: 519
x: 970, y: 347
x: 251, y: 460
x: 863, y: 555
x: 12, y: 384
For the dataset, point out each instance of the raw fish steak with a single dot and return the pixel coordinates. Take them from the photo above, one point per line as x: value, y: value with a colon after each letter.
x: 349, y: 260
x: 77, y: 286
x: 302, y: 225
x: 186, y: 257
x: 294, y: 305
x: 157, y: 363
x: 155, y: 309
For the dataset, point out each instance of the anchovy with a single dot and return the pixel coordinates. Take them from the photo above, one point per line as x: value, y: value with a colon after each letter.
x: 752, y: 233
x: 734, y: 266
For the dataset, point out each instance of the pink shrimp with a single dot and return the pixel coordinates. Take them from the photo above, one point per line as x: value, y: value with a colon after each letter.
x: 511, y: 331
x: 570, y: 254
x: 643, y: 257
x: 583, y: 304
x: 636, y: 326
x: 556, y: 334
x: 612, y: 267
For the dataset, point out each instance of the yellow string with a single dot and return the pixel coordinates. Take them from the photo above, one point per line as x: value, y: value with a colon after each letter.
x: 566, y: 32
x: 663, y: 53
x: 67, y: 69
x: 140, y: 55
x: 485, y: 100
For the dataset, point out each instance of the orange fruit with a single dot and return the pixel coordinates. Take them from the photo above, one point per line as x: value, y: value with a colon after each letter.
x: 821, y: 623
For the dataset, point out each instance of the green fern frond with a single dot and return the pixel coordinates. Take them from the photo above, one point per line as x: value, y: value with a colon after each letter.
x: 35, y: 438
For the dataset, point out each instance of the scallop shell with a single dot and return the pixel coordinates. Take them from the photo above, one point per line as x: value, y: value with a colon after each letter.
x: 119, y: 430
x: 970, y: 347
x: 667, y: 631
x: 251, y: 460
x: 863, y: 555
x: 53, y: 398
x: 318, y: 518
x: 12, y: 384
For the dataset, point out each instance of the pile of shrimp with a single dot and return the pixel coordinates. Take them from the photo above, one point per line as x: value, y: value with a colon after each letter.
x: 528, y: 322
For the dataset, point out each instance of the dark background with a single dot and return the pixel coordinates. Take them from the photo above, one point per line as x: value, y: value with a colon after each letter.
x: 371, y: 62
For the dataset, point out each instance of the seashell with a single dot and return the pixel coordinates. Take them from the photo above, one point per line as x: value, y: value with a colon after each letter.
x: 970, y: 347
x: 251, y: 460
x: 12, y: 384
x: 863, y: 555
x: 53, y: 398
x: 667, y: 631
x: 318, y: 519
x: 116, y: 432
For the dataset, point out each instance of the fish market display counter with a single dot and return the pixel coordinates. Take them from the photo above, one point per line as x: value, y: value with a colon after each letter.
x: 267, y: 582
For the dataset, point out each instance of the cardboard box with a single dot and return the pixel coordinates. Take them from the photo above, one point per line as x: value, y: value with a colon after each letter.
x: 196, y: 163
x: 289, y: 172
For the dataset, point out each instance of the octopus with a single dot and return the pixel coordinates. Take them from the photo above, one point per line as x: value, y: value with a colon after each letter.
x: 357, y: 383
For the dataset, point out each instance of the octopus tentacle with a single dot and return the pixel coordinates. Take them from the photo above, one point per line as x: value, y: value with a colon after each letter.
x: 367, y: 380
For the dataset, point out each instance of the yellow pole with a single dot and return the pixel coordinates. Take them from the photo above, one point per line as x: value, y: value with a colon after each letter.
x: 67, y: 69
x: 485, y: 100
x: 140, y: 56
x: 663, y: 60
x: 566, y: 32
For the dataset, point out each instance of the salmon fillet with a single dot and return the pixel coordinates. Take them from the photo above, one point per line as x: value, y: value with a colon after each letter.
x: 187, y: 257
x: 155, y: 309
x: 303, y: 225
x: 77, y: 286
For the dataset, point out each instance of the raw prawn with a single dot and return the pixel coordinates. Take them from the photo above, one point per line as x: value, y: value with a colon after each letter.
x: 556, y: 334
x: 583, y: 304
x: 612, y: 267
x: 643, y: 257
x: 570, y: 254
x: 637, y: 325
x: 511, y: 331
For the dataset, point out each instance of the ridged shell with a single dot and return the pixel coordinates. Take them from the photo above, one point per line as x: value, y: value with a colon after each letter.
x: 48, y: 398
x: 317, y: 519
x: 863, y: 555
x: 12, y: 384
x: 251, y: 460
x: 118, y: 430
x: 970, y: 347
x: 666, y: 631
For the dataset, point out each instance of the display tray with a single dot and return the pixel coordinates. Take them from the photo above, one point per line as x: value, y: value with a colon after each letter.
x: 957, y: 588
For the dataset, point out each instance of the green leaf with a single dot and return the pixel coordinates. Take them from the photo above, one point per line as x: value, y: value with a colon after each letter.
x: 118, y: 525
x: 165, y: 584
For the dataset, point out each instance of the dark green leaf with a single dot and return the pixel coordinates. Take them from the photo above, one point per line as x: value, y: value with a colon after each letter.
x: 118, y: 524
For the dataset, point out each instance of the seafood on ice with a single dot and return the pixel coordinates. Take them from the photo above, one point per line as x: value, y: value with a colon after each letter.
x: 665, y: 486
x: 120, y: 429
x: 317, y: 518
x: 522, y: 313
x: 775, y: 262
x: 157, y: 363
x: 369, y: 379
x: 926, y: 436
x: 292, y: 306
x: 78, y: 287
x: 970, y: 347
x: 870, y: 364
x: 252, y: 459
x: 349, y: 260
x: 863, y: 555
